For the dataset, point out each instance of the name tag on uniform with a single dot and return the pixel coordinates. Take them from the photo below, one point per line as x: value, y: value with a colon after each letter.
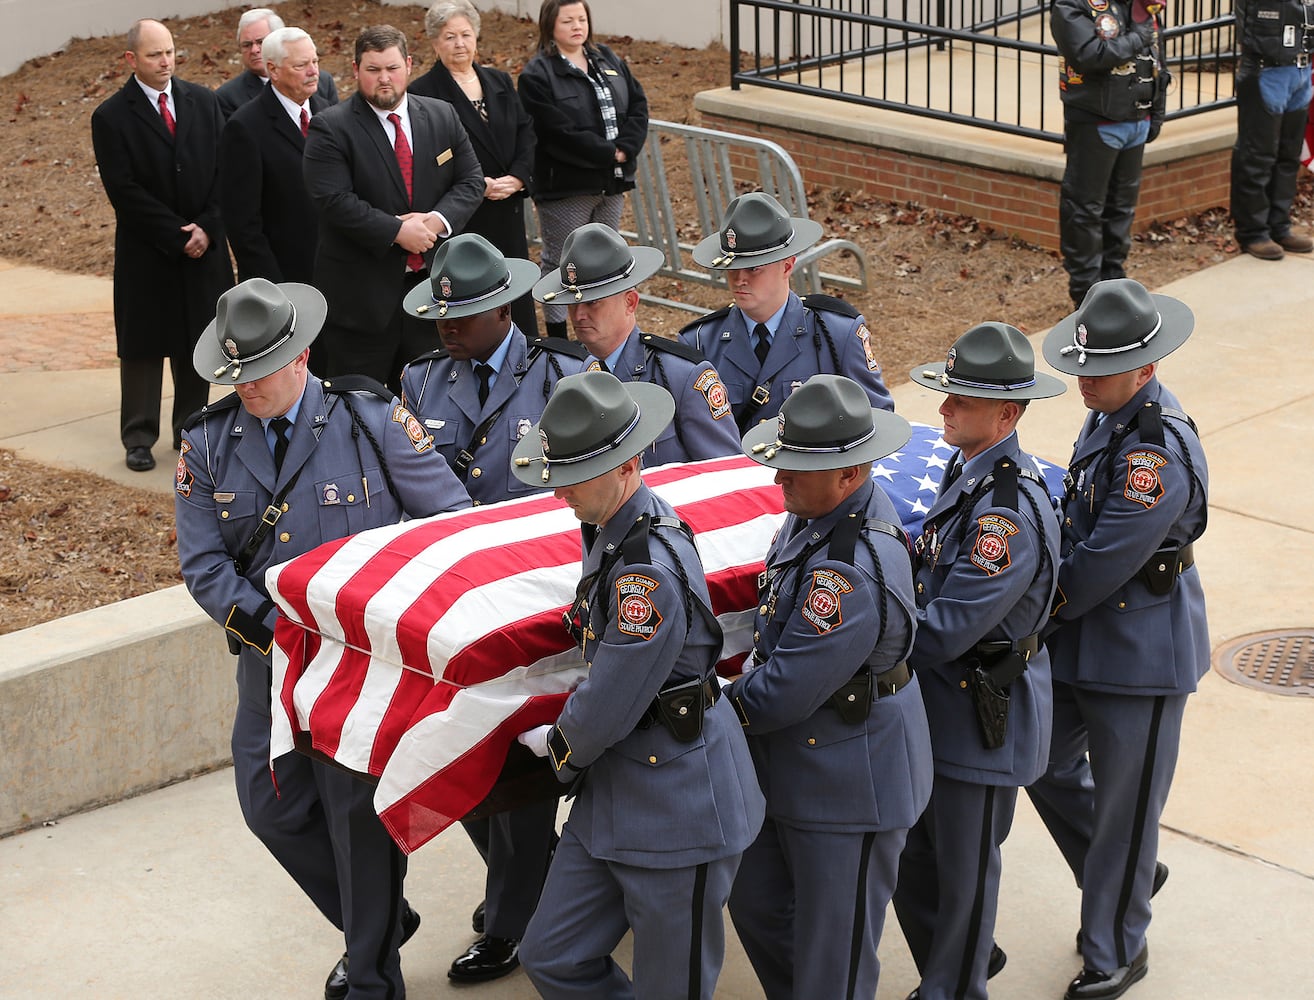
x: 444, y: 156
x: 611, y: 72
x: 225, y: 497
x: 434, y: 425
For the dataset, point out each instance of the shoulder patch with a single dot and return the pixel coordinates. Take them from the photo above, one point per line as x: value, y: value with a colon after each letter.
x: 183, y: 478
x: 1144, y: 484
x: 824, y: 607
x: 227, y: 403
x: 421, y: 440
x: 718, y: 400
x: 560, y: 345
x: 711, y: 317
x: 680, y: 350
x: 828, y: 303
x: 356, y: 383
x: 864, y: 338
x: 990, y: 553
x: 636, y: 614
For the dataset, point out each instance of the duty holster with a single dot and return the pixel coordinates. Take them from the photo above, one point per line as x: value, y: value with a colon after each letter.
x: 852, y: 702
x: 1165, y: 566
x: 991, y: 668
x: 680, y: 707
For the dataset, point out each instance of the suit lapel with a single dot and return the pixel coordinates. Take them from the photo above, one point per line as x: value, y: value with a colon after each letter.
x: 186, y: 115
x: 312, y: 415
x: 281, y: 122
x: 369, y: 122
x: 142, y: 108
x: 253, y: 451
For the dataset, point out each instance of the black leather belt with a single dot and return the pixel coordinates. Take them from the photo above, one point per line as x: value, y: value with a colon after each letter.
x: 989, y: 650
x: 892, y: 680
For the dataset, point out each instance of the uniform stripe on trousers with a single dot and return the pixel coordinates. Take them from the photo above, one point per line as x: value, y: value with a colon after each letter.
x: 859, y: 913
x: 696, y: 933
x: 1138, y: 830
x: 978, y: 899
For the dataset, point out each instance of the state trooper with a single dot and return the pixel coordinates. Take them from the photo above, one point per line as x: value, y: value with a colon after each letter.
x: 768, y: 342
x: 1127, y: 638
x: 666, y: 800
x: 986, y: 569
x: 1273, y: 92
x: 597, y: 282
x: 834, y: 716
x: 279, y: 466
x: 478, y: 395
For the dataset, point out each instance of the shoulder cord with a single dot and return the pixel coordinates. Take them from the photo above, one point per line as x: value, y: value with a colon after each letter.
x: 358, y: 425
x: 654, y: 362
x: 547, y: 379
x: 823, y: 331
x: 1153, y: 434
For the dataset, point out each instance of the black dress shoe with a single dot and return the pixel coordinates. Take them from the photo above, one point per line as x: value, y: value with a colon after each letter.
x: 477, y: 918
x: 335, y: 987
x: 1092, y: 984
x: 410, y: 923
x: 998, y: 959
x: 140, y: 459
x: 488, y: 958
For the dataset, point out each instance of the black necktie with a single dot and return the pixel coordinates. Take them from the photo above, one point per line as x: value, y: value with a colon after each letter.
x: 954, y: 472
x: 761, y: 342
x: 282, y: 428
x: 485, y: 374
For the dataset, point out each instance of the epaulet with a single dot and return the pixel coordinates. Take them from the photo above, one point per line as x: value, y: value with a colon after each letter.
x: 711, y: 317
x: 356, y: 383
x: 438, y: 355
x: 210, y: 409
x: 679, y: 349
x: 828, y: 303
x: 560, y: 345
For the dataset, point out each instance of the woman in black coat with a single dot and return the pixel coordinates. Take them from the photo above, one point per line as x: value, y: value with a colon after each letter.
x: 499, y: 128
x: 591, y: 119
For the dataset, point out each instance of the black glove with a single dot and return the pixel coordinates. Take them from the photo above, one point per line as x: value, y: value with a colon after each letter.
x: 1155, y: 126
x: 1146, y: 31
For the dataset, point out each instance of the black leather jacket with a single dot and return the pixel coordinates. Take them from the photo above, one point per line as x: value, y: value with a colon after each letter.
x: 1110, y: 68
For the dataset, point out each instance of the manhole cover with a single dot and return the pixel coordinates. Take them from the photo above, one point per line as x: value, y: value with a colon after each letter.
x: 1280, y: 662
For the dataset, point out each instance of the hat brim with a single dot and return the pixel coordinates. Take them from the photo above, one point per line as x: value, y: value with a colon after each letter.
x: 656, y: 408
x: 647, y: 262
x: 934, y: 377
x: 1176, y: 323
x: 311, y: 311
x: 420, y: 303
x: 892, y: 432
x: 708, y: 252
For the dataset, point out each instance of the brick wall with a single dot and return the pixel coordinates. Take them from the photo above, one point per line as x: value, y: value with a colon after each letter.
x: 1023, y: 206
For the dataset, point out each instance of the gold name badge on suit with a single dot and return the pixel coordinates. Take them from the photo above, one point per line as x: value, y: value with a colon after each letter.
x: 444, y: 156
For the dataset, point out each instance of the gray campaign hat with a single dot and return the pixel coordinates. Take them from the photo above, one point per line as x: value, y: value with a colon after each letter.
x: 592, y: 423
x: 757, y: 230
x: 990, y: 361
x: 826, y: 423
x: 1118, y: 327
x: 469, y: 276
x: 596, y: 262
x: 258, y: 328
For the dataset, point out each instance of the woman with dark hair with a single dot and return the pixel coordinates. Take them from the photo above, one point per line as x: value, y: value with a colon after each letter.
x: 499, y: 128
x: 591, y: 119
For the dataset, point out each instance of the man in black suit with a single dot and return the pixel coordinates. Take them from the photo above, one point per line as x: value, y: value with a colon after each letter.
x: 156, y: 142
x: 390, y: 174
x: 253, y: 28
x: 270, y: 220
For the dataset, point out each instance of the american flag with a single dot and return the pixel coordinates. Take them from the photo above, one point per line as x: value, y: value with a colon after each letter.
x: 416, y: 653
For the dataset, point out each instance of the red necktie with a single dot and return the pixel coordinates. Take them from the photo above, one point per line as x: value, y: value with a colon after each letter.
x: 305, y: 122
x: 169, y: 123
x: 414, y: 261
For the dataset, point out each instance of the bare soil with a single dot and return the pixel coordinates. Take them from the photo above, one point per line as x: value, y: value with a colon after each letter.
x: 70, y: 540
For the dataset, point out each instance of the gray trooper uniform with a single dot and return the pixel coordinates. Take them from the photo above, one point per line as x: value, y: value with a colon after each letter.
x: 665, y: 797
x: 835, y: 722
x: 356, y: 459
x: 1128, y: 637
x: 986, y: 568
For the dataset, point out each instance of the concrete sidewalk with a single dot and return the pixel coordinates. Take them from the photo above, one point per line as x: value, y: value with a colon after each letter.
x: 167, y: 894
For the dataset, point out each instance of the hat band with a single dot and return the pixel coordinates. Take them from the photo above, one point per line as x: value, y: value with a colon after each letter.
x: 729, y: 255
x: 1082, y: 351
x: 579, y: 288
x: 947, y: 379
x: 839, y: 447
x: 445, y: 304
x: 608, y: 444
x: 284, y: 335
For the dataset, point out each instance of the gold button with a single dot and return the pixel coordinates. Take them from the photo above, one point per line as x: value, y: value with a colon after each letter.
x: 474, y: 503
x: 962, y: 684
x: 284, y: 508
x: 483, y: 440
x: 921, y: 589
x: 1122, y: 604
x: 762, y: 610
x: 652, y: 760
x: 224, y: 514
x: 285, y: 537
x: 811, y: 742
x: 476, y: 473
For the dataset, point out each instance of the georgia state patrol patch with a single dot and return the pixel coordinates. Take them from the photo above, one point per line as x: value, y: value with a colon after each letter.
x: 1143, y: 482
x: 636, y: 615
x: 183, y: 476
x: 421, y: 440
x: 713, y: 390
x: 990, y: 553
x: 864, y: 337
x: 823, y: 609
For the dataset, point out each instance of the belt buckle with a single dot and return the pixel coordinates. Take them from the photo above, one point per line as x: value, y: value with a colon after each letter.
x: 761, y: 395
x: 1302, y: 59
x: 271, y: 515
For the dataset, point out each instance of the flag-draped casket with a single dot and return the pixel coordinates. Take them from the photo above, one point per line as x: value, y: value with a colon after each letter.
x: 415, y: 653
